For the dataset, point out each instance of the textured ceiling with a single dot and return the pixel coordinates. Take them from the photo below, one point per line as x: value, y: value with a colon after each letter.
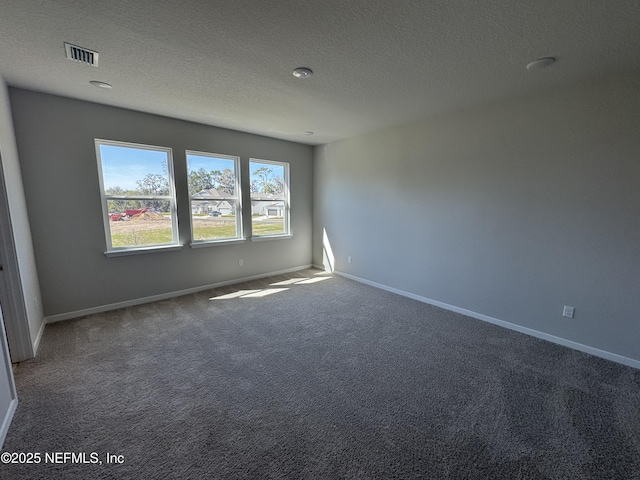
x: 376, y: 63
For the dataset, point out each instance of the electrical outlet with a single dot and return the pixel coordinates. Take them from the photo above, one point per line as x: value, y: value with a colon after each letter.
x: 349, y: 259
x: 240, y: 262
x: 568, y: 311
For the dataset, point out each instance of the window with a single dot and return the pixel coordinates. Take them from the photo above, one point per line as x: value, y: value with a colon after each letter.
x: 138, y: 196
x: 269, y: 198
x: 214, y: 190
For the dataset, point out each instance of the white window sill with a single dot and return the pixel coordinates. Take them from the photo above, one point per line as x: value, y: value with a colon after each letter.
x: 139, y: 251
x: 266, y: 238
x: 216, y: 243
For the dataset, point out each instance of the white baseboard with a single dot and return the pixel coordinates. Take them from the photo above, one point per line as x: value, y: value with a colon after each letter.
x: 36, y: 342
x: 6, y: 422
x: 511, y: 326
x: 154, y: 298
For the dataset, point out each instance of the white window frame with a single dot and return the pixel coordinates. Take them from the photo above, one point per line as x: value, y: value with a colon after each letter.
x: 236, y: 197
x: 285, y: 198
x: 174, y: 244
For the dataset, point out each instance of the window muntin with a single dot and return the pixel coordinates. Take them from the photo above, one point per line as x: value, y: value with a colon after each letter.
x: 214, y: 192
x: 269, y: 198
x: 138, y: 195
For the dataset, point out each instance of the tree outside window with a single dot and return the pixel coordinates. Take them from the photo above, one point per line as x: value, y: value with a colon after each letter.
x: 269, y: 198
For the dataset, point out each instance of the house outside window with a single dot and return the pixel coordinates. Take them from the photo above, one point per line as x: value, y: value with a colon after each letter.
x: 214, y: 190
x: 270, y: 207
x: 138, y: 196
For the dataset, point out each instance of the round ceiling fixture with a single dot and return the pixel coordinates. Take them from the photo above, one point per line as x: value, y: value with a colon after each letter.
x: 541, y: 63
x: 302, y: 72
x: 99, y: 84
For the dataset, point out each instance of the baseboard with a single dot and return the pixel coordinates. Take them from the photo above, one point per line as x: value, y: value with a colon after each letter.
x: 614, y: 357
x: 154, y: 298
x: 6, y: 422
x: 36, y: 342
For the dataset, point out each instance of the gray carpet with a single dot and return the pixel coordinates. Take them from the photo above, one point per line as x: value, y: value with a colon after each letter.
x: 324, y: 379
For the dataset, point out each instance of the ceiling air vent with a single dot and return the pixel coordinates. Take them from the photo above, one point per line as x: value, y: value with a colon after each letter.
x: 82, y: 55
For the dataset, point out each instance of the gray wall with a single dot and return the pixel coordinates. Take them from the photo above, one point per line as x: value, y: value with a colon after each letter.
x: 510, y: 210
x: 55, y: 139
x: 19, y: 287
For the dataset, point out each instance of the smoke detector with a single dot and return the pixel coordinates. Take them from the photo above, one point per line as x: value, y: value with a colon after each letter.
x: 541, y: 63
x: 81, y: 54
x: 302, y: 72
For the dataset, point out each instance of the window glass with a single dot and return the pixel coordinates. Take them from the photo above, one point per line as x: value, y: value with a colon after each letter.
x: 214, y: 190
x: 269, y: 198
x: 138, y: 196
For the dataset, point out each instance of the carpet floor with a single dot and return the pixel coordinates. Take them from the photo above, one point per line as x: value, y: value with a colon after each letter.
x: 314, y: 376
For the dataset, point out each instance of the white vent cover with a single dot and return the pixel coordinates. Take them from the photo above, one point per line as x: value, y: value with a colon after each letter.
x: 82, y: 55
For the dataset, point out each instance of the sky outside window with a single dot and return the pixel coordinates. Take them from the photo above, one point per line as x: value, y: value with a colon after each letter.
x: 277, y: 170
x: 123, y: 166
x: 196, y: 162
